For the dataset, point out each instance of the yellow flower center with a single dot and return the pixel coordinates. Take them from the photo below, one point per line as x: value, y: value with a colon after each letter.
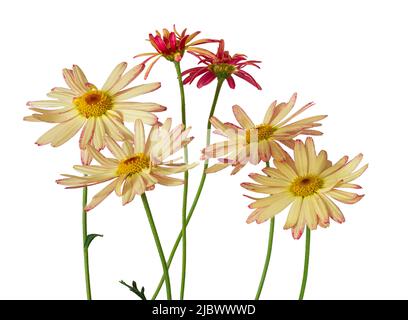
x: 94, y: 103
x: 261, y: 132
x: 222, y: 70
x: 306, y: 186
x: 134, y: 164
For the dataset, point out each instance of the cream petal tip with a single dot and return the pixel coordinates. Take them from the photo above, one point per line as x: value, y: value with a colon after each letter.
x: 125, y: 203
x: 249, y: 220
x: 30, y: 118
x: 326, y: 223
x: 296, y: 236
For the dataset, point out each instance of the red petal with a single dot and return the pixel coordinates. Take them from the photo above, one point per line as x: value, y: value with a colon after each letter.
x: 220, y: 51
x: 173, y: 40
x: 188, y: 80
x: 153, y: 42
x: 182, y: 44
x: 191, y: 70
x: 193, y: 75
x: 205, y: 79
x: 231, y: 82
x: 247, y: 77
x: 160, y: 44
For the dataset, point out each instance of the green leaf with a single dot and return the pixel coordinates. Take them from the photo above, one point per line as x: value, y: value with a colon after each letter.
x: 89, y: 239
x: 134, y: 289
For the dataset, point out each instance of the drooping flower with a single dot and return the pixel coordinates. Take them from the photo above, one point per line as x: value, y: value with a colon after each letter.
x: 137, y: 166
x: 172, y: 46
x: 254, y: 143
x: 221, y: 66
x: 308, y: 183
x: 96, y: 111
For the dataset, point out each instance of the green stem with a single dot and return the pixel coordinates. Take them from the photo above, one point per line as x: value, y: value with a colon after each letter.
x: 214, y: 104
x: 267, y: 259
x: 182, y: 95
x: 85, y: 248
x: 199, y: 190
x: 306, y: 265
x: 268, y: 255
x: 158, y: 245
x: 185, y: 188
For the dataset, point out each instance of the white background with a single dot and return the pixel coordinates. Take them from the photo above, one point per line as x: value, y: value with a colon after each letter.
x: 350, y: 57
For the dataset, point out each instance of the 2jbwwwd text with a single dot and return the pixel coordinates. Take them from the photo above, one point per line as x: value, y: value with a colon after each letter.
x: 204, y: 310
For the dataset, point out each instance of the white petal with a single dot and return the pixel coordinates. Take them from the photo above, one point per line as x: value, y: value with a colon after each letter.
x: 114, y: 76
x: 139, y: 137
x: 136, y: 91
x: 127, y: 78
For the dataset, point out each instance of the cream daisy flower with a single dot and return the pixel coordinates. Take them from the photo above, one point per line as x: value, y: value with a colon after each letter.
x: 253, y: 143
x: 308, y: 183
x: 96, y: 111
x: 136, y: 167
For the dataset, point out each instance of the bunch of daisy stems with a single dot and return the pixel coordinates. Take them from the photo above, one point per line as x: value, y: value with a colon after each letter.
x: 294, y: 173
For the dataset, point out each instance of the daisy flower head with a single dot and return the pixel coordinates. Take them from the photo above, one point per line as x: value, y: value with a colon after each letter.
x: 172, y: 45
x: 221, y: 66
x: 308, y: 183
x: 254, y: 143
x: 96, y: 111
x: 136, y: 165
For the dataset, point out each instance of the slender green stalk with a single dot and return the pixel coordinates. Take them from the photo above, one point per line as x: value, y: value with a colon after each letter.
x: 185, y: 188
x: 158, y: 245
x: 306, y: 265
x: 214, y: 104
x: 267, y: 259
x: 85, y: 248
x: 200, y: 186
x: 268, y: 255
x: 182, y: 95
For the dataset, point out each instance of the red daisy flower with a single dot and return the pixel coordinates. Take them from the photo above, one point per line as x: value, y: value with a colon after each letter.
x: 173, y: 45
x: 221, y: 66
